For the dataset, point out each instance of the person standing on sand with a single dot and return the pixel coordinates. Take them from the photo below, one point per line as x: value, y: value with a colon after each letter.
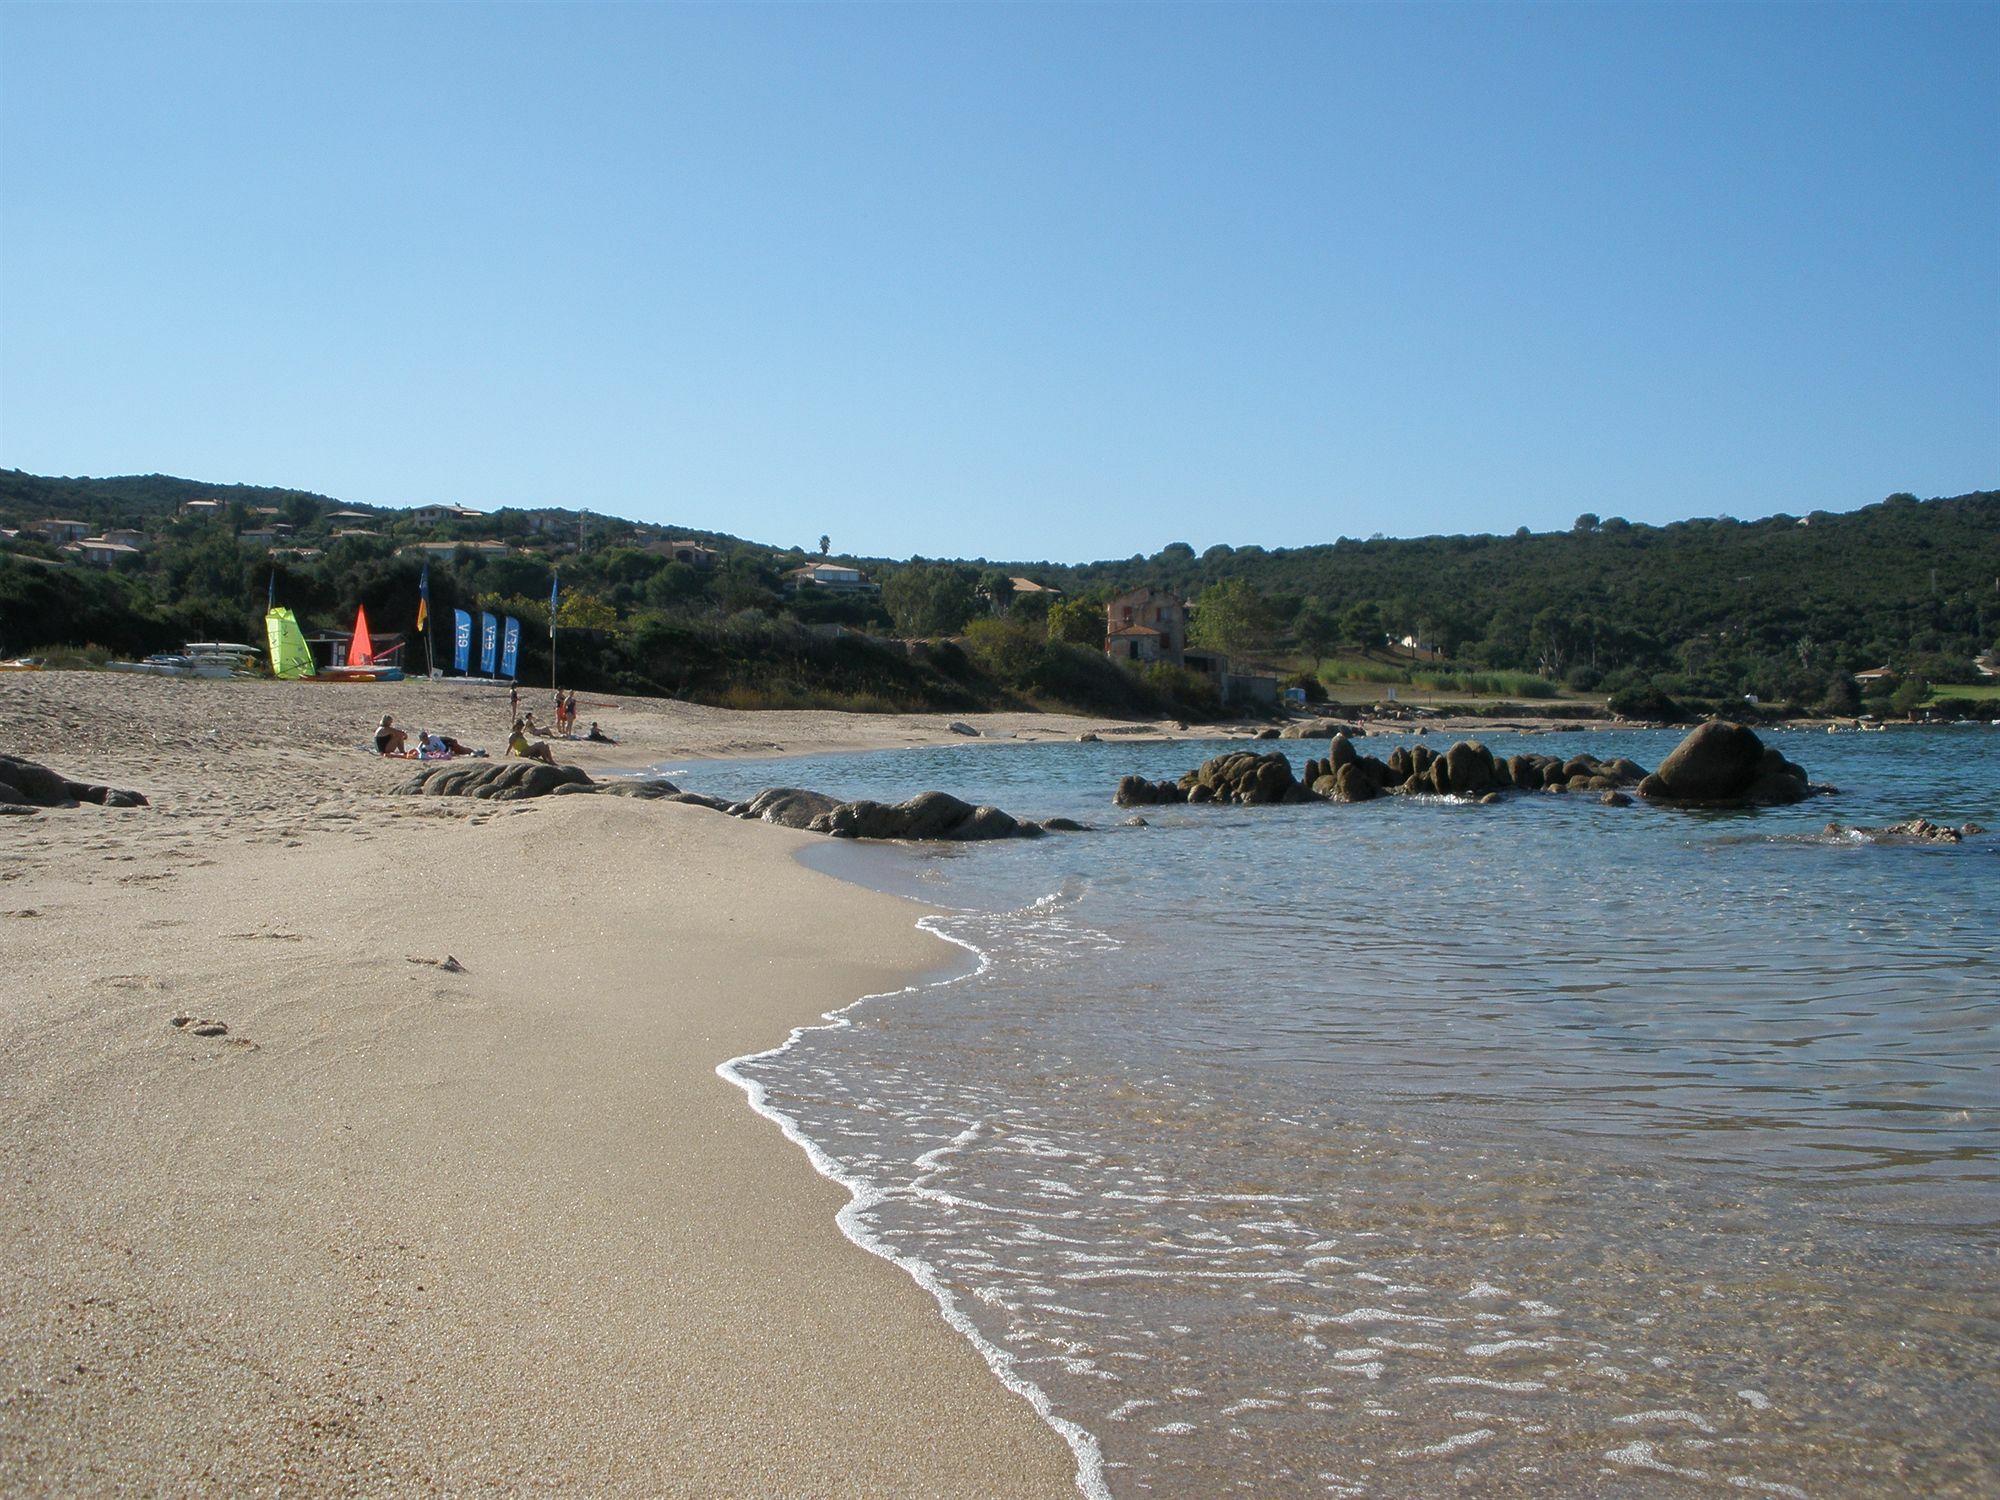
x: 514, y: 701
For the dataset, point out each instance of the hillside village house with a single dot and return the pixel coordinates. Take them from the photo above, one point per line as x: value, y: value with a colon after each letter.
x: 431, y: 515
x: 1146, y: 625
x: 100, y: 551
x: 828, y: 576
x: 127, y: 536
x: 198, y: 508
x: 59, y: 531
x: 690, y: 552
x: 1023, y: 588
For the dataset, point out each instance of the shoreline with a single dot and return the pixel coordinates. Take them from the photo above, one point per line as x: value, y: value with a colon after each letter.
x: 1083, y: 1444
x: 492, y: 1229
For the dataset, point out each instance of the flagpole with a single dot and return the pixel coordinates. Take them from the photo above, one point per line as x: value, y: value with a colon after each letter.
x: 424, y: 617
x: 555, y: 582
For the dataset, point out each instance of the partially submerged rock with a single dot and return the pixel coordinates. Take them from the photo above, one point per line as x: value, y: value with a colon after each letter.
x: 928, y: 815
x: 1723, y: 765
x: 1717, y: 765
x: 28, y: 787
x: 1909, y: 831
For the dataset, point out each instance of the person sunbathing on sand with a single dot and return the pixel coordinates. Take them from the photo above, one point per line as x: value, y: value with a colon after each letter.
x: 519, y: 744
x: 599, y: 735
x: 389, y: 740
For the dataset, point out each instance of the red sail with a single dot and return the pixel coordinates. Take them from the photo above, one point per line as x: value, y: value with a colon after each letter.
x: 361, y: 650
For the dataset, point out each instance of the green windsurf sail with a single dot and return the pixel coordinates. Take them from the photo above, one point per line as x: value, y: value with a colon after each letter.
x: 289, y: 656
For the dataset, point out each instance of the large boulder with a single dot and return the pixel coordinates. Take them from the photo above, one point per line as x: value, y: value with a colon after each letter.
x: 1137, y: 791
x: 928, y: 815
x: 26, y: 785
x: 1469, y: 769
x: 1724, y: 764
x: 1320, y: 729
x: 1353, y: 783
x: 787, y: 806
x: 495, y: 780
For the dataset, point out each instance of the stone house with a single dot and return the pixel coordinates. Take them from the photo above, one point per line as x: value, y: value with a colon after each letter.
x: 1146, y: 625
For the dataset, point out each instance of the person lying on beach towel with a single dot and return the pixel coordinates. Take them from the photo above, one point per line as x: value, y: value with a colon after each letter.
x: 442, y: 747
x: 519, y: 744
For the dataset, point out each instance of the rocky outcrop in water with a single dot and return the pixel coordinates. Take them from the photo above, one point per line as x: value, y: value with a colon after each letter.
x: 929, y: 815
x: 1910, y: 831
x: 1723, y: 765
x: 27, y: 788
x: 1719, y: 764
x: 1240, y: 776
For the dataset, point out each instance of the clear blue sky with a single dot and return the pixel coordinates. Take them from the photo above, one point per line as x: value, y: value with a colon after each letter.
x: 1018, y: 281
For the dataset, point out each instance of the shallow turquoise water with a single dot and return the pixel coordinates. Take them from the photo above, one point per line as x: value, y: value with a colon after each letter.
x: 1417, y: 1146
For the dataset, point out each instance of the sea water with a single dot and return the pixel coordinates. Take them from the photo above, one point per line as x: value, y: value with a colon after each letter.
x: 1420, y: 1147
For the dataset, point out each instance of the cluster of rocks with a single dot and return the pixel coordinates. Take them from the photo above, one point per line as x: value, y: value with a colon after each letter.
x: 929, y: 815
x: 27, y: 788
x: 1909, y: 831
x: 1718, y: 764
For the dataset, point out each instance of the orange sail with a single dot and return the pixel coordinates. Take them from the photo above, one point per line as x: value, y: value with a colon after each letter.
x: 361, y: 650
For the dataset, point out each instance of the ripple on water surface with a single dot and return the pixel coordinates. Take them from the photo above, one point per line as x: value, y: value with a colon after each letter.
x: 1434, y: 1149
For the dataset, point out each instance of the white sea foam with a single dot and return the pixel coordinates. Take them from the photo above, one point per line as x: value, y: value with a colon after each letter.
x: 862, y: 1196
x: 1450, y: 1445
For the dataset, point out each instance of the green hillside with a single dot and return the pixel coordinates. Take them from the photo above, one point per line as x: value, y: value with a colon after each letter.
x: 1702, y: 612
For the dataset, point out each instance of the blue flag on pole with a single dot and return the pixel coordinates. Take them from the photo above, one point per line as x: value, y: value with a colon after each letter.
x: 555, y: 582
x: 510, y: 646
x: 461, y: 645
x: 423, y: 598
x: 271, y: 593
x: 489, y: 642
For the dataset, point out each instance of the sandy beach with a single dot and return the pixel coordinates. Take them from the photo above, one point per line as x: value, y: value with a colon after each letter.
x: 405, y: 1227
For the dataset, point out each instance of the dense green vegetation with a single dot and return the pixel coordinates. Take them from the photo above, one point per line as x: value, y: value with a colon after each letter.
x: 1661, y: 620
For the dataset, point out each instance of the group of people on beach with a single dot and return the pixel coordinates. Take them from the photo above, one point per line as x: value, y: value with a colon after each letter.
x: 526, y: 738
x: 392, y: 741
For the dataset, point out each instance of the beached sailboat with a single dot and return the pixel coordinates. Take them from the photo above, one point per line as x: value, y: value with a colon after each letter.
x: 289, y: 657
x: 197, y: 659
x: 360, y: 665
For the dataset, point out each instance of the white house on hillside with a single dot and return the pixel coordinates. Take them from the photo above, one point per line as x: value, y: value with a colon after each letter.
x: 828, y: 576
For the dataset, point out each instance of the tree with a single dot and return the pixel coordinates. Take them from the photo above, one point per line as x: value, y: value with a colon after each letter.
x: 1361, y: 623
x: 929, y: 599
x: 825, y: 544
x: 1584, y: 524
x: 998, y: 588
x: 1230, y: 617
x: 1318, y: 630
x: 1078, y: 621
